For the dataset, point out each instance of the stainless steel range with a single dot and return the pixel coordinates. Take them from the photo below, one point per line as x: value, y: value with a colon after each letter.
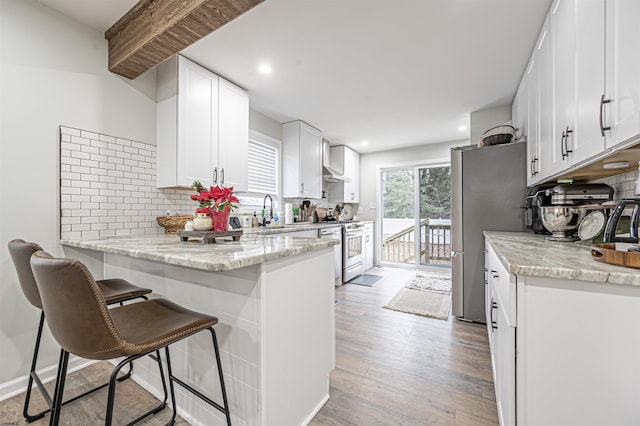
x: 352, y: 248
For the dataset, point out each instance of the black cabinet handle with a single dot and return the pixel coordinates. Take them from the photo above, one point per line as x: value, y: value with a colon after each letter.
x: 567, y: 132
x: 602, y: 127
x: 531, y: 168
x: 535, y: 169
x: 214, y: 179
x: 494, y: 324
x: 222, y: 176
x: 564, y: 155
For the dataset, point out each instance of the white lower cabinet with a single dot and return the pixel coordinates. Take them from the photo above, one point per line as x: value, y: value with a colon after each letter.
x: 572, y: 356
x: 502, y: 335
x: 367, y: 236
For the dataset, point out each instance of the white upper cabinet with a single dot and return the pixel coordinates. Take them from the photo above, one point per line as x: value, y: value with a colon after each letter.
x: 519, y: 111
x: 301, y: 161
x: 347, y: 161
x: 538, y: 84
x: 202, y: 127
x: 233, y: 136
x: 622, y: 113
x: 577, y: 46
x: 589, y: 101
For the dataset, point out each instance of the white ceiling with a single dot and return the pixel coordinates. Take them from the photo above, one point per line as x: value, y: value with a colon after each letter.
x: 395, y: 73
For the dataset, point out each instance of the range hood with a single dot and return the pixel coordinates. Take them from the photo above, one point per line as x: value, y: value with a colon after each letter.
x: 329, y: 174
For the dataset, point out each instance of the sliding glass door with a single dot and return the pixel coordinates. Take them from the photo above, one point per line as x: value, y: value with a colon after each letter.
x: 416, y: 215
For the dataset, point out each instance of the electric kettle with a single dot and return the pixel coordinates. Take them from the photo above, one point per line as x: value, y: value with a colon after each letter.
x: 612, y: 224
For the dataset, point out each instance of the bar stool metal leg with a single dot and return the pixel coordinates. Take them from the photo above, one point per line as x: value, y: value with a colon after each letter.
x: 223, y: 408
x: 112, y: 389
x: 59, y: 391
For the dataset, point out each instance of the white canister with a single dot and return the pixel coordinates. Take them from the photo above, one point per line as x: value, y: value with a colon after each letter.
x: 245, y: 221
x: 288, y: 213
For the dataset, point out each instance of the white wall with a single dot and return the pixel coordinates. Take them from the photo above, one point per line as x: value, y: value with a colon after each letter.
x: 53, y: 71
x: 265, y: 125
x: 484, y: 119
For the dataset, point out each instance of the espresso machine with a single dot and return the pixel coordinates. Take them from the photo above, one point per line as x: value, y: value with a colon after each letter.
x: 563, y: 206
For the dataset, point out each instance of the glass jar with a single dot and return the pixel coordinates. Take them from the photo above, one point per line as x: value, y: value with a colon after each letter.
x: 202, y: 222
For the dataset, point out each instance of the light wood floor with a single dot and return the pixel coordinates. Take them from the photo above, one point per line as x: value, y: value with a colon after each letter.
x: 131, y: 402
x: 392, y: 368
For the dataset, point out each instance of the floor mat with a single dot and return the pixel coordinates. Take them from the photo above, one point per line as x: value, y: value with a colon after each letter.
x: 426, y: 295
x: 368, y: 280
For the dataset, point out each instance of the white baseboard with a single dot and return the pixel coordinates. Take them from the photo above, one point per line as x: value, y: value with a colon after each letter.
x: 19, y: 385
x: 316, y: 410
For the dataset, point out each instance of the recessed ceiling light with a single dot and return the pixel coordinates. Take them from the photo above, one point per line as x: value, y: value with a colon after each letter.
x: 462, y: 128
x: 265, y: 69
x: 364, y: 143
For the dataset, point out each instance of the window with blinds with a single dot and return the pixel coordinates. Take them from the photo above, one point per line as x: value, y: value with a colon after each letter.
x: 264, y: 167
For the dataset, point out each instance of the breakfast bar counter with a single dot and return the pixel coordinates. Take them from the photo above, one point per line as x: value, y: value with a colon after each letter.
x: 274, y: 297
x: 225, y: 255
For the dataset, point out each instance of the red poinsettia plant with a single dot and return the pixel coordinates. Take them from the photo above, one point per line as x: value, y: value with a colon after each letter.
x: 215, y: 198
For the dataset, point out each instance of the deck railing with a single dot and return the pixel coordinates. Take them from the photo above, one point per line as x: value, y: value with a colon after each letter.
x: 435, y: 246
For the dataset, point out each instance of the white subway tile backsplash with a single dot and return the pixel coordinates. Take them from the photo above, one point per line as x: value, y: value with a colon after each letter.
x: 80, y: 140
x: 623, y: 184
x: 80, y: 184
x: 89, y: 135
x: 90, y: 149
x: 70, y: 160
x: 90, y: 234
x: 107, y: 187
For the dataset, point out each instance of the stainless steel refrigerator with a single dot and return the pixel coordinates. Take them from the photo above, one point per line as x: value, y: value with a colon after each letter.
x: 488, y: 188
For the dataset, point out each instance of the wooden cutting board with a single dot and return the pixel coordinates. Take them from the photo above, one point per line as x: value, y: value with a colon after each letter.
x: 607, y: 253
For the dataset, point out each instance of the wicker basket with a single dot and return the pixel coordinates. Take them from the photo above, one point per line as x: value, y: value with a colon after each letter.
x: 497, y: 139
x: 172, y: 224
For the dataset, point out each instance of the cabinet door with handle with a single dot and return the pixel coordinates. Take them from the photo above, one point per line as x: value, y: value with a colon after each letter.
x: 310, y: 162
x: 197, y: 150
x: 620, y: 104
x: 577, y: 43
x: 233, y: 136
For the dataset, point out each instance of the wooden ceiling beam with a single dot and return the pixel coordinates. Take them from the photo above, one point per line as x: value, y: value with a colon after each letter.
x: 154, y: 30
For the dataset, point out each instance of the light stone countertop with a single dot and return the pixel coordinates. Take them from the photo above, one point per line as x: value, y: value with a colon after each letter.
x: 224, y: 255
x: 531, y: 255
x: 301, y: 226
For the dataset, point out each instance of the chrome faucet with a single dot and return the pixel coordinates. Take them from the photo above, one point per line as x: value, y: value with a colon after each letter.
x: 264, y: 206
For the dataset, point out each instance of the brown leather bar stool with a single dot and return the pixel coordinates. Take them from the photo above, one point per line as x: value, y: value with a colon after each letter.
x: 114, y: 290
x: 75, y: 309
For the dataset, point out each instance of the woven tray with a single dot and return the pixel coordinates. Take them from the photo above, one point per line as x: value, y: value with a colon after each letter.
x: 607, y: 253
x: 172, y: 224
x: 210, y: 236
